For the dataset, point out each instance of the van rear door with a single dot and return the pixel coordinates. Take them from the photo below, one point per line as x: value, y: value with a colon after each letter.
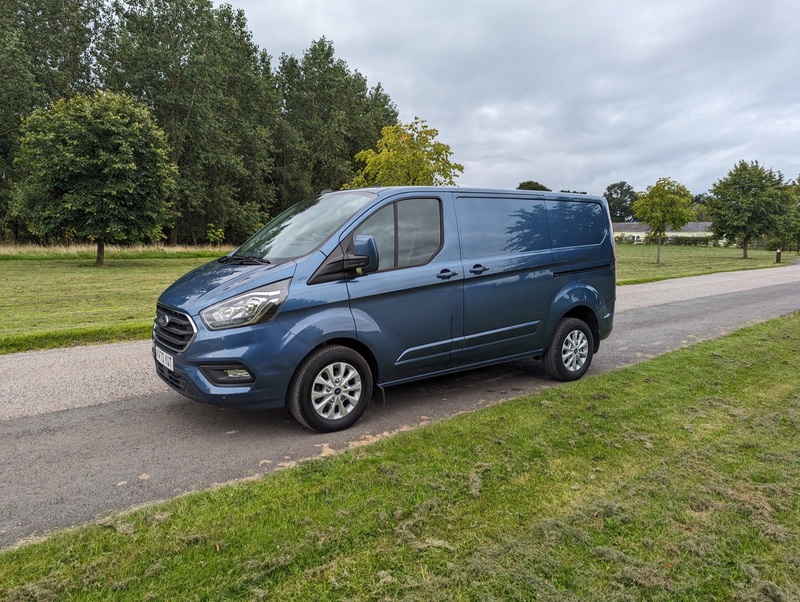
x: 507, y: 262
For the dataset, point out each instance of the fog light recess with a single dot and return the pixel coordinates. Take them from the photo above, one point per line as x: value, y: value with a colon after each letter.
x: 228, y: 374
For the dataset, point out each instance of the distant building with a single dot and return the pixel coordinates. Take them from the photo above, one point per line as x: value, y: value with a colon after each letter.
x: 638, y: 230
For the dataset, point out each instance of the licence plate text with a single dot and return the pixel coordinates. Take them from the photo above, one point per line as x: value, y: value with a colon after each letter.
x: 164, y: 358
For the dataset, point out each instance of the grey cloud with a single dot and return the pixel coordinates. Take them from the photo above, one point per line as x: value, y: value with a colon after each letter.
x: 573, y: 94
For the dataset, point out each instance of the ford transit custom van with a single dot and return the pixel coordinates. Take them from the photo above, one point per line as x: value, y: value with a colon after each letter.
x: 349, y: 292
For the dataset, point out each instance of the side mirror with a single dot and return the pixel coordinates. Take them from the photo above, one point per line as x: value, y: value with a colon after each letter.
x: 364, y: 258
x: 340, y: 264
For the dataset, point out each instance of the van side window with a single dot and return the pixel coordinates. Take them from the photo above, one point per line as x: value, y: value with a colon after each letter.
x: 407, y: 233
x: 574, y: 223
x: 498, y: 226
x: 381, y: 227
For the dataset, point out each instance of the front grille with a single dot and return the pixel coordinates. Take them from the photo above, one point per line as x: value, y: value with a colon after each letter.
x: 173, y: 330
x: 176, y: 381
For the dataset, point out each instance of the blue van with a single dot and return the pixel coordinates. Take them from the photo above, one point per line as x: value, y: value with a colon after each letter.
x: 349, y: 292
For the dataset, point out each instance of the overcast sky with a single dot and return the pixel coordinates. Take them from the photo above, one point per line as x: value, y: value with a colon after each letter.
x: 575, y: 94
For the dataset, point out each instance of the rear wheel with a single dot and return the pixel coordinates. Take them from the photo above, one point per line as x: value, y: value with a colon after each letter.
x: 331, y: 389
x: 571, y: 349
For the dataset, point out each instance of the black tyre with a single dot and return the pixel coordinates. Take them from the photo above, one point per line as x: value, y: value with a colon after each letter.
x: 571, y: 350
x: 331, y: 389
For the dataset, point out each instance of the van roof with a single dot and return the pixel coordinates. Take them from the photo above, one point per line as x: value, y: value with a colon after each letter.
x: 476, y: 190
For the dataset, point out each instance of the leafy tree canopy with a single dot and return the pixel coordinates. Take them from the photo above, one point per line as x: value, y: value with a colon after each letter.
x: 750, y: 202
x: 45, y: 54
x: 94, y: 167
x: 620, y: 196
x: 212, y: 92
x: 248, y: 140
x: 329, y: 115
x: 532, y: 185
x: 407, y: 155
x: 699, y: 206
x: 667, y: 204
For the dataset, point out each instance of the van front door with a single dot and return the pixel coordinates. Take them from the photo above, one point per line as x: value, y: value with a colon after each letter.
x: 407, y: 311
x: 507, y: 263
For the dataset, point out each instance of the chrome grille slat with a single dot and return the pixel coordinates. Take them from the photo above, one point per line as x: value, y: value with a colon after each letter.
x: 178, y: 331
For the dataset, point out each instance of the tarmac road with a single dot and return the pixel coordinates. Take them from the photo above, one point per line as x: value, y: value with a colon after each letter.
x: 91, y: 430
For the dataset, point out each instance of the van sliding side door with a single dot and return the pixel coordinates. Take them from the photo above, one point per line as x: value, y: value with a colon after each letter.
x: 505, y: 247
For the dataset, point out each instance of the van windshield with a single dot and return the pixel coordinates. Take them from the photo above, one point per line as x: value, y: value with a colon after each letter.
x: 303, y: 227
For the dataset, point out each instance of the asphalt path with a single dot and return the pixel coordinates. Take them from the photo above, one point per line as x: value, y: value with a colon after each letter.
x: 88, y: 431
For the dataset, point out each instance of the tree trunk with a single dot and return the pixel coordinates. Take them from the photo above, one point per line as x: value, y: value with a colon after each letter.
x: 173, y: 236
x: 101, y: 253
x: 745, y: 242
x: 658, y: 250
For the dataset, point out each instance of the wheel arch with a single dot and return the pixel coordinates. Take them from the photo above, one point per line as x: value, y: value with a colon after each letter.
x: 353, y: 344
x: 577, y: 300
x: 586, y: 315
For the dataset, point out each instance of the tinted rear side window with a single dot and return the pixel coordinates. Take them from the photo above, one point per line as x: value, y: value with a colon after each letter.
x: 574, y: 223
x: 492, y: 226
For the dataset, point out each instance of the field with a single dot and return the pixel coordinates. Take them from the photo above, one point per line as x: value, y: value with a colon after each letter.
x: 637, y: 263
x: 58, y: 298
x: 675, y: 479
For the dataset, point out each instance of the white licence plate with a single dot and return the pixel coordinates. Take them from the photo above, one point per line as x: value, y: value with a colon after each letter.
x: 164, y: 358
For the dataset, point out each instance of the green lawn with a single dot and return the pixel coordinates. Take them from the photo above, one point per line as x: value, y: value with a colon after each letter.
x: 637, y: 263
x: 57, y: 297
x: 675, y: 479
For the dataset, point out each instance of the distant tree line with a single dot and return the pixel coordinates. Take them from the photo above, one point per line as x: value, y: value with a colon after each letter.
x: 750, y: 203
x: 245, y: 136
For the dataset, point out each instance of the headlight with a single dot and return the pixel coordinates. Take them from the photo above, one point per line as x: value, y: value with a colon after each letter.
x: 252, y: 307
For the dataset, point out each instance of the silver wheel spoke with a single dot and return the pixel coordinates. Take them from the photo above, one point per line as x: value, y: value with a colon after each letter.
x: 336, y: 390
x: 575, y: 350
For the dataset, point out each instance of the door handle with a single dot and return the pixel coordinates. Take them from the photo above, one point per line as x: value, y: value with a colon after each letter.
x: 478, y: 269
x: 446, y: 274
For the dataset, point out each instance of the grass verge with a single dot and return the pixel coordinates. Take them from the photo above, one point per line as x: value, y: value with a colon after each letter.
x: 675, y: 479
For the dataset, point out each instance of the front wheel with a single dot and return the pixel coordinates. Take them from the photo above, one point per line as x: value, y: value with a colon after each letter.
x: 571, y: 349
x: 331, y: 389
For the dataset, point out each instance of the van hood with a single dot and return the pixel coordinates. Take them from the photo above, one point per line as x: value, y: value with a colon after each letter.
x: 215, y: 281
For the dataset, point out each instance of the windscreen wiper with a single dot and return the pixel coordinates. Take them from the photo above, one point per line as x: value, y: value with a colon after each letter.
x: 244, y: 260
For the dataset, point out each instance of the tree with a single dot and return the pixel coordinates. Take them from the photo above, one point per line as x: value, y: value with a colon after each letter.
x: 667, y: 204
x: 18, y: 95
x: 213, y: 93
x: 407, y: 155
x: 620, y: 197
x: 793, y: 229
x: 532, y: 185
x: 750, y: 202
x: 787, y: 233
x: 94, y: 167
x: 45, y: 54
x: 60, y: 37
x: 329, y: 115
x: 699, y: 202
